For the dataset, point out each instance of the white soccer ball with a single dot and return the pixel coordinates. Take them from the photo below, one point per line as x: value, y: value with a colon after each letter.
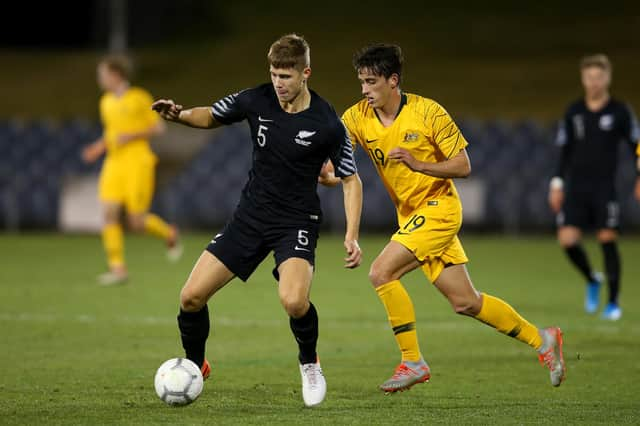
x: 178, y: 381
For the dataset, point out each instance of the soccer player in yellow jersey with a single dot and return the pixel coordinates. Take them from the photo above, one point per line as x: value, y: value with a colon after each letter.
x: 417, y: 150
x: 127, y: 178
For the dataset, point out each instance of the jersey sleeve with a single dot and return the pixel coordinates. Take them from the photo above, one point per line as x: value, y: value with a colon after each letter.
x: 446, y: 133
x: 342, y: 153
x: 564, y: 140
x: 632, y: 127
x: 349, y: 120
x: 231, y: 109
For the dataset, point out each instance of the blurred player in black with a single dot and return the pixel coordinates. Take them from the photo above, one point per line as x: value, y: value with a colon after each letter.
x: 294, y: 131
x: 582, y: 193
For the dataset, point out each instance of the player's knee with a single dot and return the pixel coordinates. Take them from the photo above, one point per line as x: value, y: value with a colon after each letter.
x: 469, y: 306
x: 191, y: 301
x: 606, y: 235
x: 136, y: 224
x: 295, y: 306
x: 379, y: 276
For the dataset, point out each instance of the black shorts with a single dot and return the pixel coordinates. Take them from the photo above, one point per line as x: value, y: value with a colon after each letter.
x: 247, y: 239
x: 593, y: 207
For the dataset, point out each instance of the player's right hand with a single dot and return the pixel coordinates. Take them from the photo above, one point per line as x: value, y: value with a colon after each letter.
x: 92, y: 152
x: 556, y: 198
x: 167, y: 109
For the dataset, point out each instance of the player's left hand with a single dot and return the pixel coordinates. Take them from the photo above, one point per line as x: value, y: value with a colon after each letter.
x: 327, y: 175
x: 404, y: 156
x: 354, y: 254
x: 637, y: 189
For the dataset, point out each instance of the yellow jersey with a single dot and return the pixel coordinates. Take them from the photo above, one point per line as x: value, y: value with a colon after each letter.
x: 129, y: 113
x: 422, y: 127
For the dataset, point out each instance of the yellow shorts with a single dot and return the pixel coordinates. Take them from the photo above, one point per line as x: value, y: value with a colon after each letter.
x: 431, y: 233
x: 129, y: 182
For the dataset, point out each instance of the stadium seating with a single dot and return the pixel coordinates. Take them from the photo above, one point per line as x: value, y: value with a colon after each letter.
x: 513, y: 159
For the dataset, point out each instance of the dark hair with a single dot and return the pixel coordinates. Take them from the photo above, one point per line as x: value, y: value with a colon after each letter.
x: 289, y: 51
x: 601, y: 61
x: 119, y: 64
x: 380, y: 59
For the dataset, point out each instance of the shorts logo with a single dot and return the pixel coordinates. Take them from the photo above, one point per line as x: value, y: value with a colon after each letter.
x: 301, y: 248
x: 216, y: 237
x: 302, y: 135
x: 411, y: 137
x: 606, y: 122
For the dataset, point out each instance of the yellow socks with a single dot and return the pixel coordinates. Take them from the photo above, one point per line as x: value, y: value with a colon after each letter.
x: 113, y: 242
x: 157, y: 227
x: 402, y: 318
x: 501, y: 316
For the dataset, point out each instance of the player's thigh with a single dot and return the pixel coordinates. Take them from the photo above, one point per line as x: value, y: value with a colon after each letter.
x: 111, y: 184
x: 207, y: 277
x: 453, y: 254
x: 140, y: 186
x: 606, y: 211
x: 455, y: 284
x: 392, y: 263
x: 240, y: 246
x: 576, y: 214
x: 294, y: 285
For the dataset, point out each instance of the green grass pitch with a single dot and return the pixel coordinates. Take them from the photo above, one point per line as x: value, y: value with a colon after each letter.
x: 75, y: 353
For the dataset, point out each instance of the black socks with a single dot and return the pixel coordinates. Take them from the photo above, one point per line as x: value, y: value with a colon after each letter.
x: 305, y: 330
x: 194, y: 330
x: 578, y: 257
x: 612, y: 266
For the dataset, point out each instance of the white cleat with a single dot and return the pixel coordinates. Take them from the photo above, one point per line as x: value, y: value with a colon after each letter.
x: 314, y: 387
x: 174, y: 245
x: 113, y: 277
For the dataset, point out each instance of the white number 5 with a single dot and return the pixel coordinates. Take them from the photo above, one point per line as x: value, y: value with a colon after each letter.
x: 303, y: 240
x: 262, y: 137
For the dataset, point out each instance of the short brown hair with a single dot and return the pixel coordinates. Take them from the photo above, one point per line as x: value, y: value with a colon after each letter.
x: 119, y: 64
x: 600, y: 60
x: 290, y: 51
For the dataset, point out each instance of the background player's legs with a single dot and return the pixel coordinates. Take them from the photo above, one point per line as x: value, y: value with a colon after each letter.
x: 293, y: 289
x: 139, y: 194
x: 113, y: 242
x: 454, y: 283
x: 392, y: 263
x: 607, y: 239
x: 207, y: 277
x: 569, y: 238
x: 154, y: 225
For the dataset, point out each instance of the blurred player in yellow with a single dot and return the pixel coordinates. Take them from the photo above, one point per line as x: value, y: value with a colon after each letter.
x: 127, y: 178
x: 417, y: 149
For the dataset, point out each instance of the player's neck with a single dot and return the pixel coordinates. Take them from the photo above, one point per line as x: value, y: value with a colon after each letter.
x: 597, y: 102
x: 299, y: 103
x: 120, y: 89
x: 389, y: 111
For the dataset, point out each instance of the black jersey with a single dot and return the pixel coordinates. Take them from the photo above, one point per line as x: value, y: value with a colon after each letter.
x: 590, y: 140
x: 288, y: 151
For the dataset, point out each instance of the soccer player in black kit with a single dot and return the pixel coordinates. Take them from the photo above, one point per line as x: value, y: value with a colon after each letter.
x: 294, y: 131
x: 582, y: 192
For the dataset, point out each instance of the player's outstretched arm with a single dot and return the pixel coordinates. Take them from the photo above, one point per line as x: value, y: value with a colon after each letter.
x: 198, y: 117
x: 352, y: 188
x: 458, y: 166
